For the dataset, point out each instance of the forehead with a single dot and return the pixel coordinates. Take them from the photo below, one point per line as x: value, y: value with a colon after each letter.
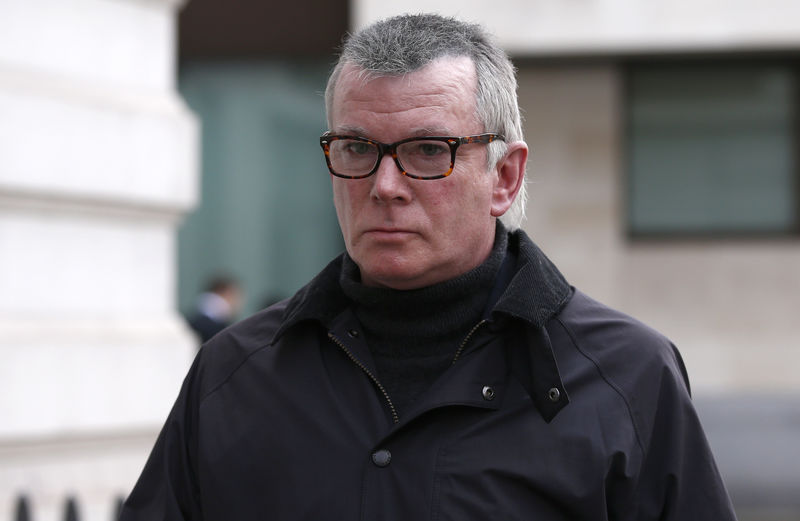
x: 440, y: 95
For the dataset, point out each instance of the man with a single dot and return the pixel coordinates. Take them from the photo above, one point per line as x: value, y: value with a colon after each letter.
x: 442, y: 368
x: 216, y: 307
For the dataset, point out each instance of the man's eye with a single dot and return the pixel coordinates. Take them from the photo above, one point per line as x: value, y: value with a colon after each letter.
x: 430, y: 149
x: 358, y: 148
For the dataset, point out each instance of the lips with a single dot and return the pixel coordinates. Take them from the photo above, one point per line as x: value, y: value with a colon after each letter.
x: 388, y: 230
x: 388, y: 233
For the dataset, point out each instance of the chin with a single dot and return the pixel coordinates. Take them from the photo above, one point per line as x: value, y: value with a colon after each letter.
x: 390, y: 275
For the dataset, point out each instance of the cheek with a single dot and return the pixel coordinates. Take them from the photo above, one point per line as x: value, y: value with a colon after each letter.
x: 450, y: 209
x: 467, y: 210
x: 342, y: 193
x: 438, y: 199
x: 348, y: 196
x: 340, y: 202
x: 468, y: 196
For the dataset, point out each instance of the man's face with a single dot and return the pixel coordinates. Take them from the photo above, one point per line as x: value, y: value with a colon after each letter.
x: 409, y: 233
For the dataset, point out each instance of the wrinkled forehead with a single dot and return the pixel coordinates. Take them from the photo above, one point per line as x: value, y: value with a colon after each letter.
x: 445, y: 78
x: 367, y: 71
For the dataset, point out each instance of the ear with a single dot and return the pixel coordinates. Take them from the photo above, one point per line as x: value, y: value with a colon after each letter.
x: 510, y: 171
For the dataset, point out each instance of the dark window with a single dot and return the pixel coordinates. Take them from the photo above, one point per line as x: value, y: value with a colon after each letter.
x: 712, y: 149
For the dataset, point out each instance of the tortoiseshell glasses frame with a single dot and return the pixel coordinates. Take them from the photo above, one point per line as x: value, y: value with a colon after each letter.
x: 426, y: 158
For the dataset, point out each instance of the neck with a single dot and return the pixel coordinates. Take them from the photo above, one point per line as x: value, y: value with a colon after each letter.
x: 413, y: 334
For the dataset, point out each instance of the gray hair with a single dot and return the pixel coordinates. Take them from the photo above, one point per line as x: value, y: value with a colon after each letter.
x: 406, y: 43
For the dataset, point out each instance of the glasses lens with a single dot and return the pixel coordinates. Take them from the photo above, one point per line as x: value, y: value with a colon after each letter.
x: 425, y: 158
x: 352, y: 157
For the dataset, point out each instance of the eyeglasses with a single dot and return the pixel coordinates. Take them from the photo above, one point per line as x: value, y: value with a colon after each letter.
x: 429, y: 157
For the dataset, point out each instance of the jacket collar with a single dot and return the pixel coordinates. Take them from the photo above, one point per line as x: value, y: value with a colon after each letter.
x: 530, y: 286
x: 530, y: 291
x: 320, y: 300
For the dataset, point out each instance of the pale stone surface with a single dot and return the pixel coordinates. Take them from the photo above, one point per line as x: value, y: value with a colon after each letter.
x: 66, y: 138
x: 87, y: 265
x: 127, y: 43
x: 99, y: 164
x: 545, y: 27
x: 87, y: 376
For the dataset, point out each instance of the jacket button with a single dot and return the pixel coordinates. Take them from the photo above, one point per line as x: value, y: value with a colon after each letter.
x: 381, y: 457
x: 554, y: 394
x: 488, y: 393
x: 353, y: 333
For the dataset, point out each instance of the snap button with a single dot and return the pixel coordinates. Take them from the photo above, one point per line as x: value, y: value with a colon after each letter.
x: 381, y: 458
x: 488, y: 393
x: 554, y: 394
x: 353, y: 333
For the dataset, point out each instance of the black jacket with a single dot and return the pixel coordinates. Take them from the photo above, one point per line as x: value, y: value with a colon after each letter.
x: 556, y: 408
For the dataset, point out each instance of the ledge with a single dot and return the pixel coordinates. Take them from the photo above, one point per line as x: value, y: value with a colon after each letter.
x: 69, y: 139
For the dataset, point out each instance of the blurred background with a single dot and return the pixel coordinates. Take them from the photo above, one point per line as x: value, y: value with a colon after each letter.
x: 150, y: 147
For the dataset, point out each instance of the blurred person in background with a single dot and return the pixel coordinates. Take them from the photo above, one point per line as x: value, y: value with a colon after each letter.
x: 442, y: 367
x: 216, y: 307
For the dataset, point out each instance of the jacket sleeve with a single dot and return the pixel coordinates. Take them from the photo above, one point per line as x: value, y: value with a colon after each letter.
x: 167, y: 488
x: 679, y: 479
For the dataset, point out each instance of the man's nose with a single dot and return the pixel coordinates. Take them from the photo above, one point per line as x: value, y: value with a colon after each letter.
x: 388, y: 182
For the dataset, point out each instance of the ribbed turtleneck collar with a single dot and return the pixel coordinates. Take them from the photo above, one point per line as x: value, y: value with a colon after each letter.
x: 413, y: 335
x: 433, y: 311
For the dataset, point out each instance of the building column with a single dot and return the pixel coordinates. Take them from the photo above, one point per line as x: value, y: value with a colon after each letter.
x: 98, y: 163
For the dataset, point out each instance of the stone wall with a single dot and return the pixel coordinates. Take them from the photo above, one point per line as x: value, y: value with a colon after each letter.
x: 98, y: 163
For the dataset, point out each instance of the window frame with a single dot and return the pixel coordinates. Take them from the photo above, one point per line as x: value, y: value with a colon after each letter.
x: 633, y: 64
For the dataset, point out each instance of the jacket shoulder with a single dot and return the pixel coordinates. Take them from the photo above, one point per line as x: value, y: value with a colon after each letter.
x: 677, y: 477
x: 636, y: 361
x: 226, y: 352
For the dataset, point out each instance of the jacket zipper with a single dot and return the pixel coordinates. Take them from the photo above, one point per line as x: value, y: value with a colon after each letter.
x: 351, y: 356
x: 467, y: 339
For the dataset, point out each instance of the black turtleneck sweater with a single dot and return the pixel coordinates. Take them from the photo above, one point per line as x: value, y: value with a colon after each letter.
x: 413, y: 335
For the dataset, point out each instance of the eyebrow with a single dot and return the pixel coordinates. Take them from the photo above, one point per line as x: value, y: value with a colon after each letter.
x: 439, y: 131
x: 419, y: 132
x: 355, y: 131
